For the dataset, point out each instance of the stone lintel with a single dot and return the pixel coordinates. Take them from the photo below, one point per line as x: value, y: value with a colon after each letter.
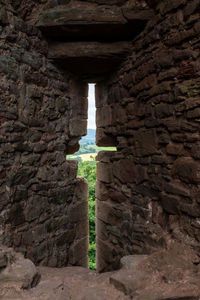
x: 89, y: 50
x: 93, y: 23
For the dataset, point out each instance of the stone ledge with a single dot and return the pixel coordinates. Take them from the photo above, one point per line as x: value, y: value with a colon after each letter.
x: 89, y: 22
x: 97, y: 50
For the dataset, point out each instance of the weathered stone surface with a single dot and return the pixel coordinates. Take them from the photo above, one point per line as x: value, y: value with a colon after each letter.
x: 18, y: 272
x: 63, y: 51
x: 159, y: 276
x: 187, y: 170
x: 152, y: 3
x: 89, y: 59
x: 104, y: 172
x: 103, y: 139
x: 10, y: 66
x: 109, y: 22
x: 63, y: 15
x: 145, y: 142
x: 125, y: 170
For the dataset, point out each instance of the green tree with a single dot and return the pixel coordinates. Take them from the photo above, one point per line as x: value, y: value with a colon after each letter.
x: 87, y: 170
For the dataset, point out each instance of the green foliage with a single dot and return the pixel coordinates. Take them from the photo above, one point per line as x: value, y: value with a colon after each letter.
x: 87, y: 170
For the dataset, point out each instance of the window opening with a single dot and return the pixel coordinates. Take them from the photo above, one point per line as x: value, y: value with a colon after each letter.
x: 87, y: 169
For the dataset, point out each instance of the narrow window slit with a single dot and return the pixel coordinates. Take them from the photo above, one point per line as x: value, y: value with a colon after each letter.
x: 87, y: 169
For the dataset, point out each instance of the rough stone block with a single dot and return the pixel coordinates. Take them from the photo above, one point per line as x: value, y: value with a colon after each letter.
x: 166, y: 6
x: 176, y: 189
x: 118, y: 115
x: 103, y: 139
x: 20, y: 274
x: 10, y: 66
x: 187, y: 170
x: 81, y: 190
x: 104, y: 116
x: 125, y: 170
x: 170, y: 204
x: 108, y: 213
x: 145, y: 142
x: 78, y: 127
x: 78, y: 212
x: 194, y: 114
x: 104, y: 172
x: 78, y: 251
x: 102, y: 192
x: 82, y: 229
x: 90, y: 50
x: 175, y: 149
x: 3, y: 16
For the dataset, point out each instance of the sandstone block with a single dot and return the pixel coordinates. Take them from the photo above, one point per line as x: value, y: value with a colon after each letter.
x: 166, y: 6
x: 194, y: 114
x: 81, y: 190
x: 78, y: 212
x: 20, y: 273
x: 187, y: 170
x: 108, y: 213
x: 103, y: 139
x: 176, y: 189
x: 195, y: 151
x: 136, y: 16
x: 145, y: 84
x: 145, y: 142
x: 78, y: 250
x: 22, y: 175
x: 105, y: 251
x: 90, y: 50
x: 3, y: 260
x: 117, y: 196
x: 102, y: 192
x: 125, y: 170
x: 152, y: 3
x: 104, y: 172
x: 31, y: 60
x: 78, y: 127
x: 16, y: 215
x: 119, y: 115
x: 103, y: 21
x: 175, y: 149
x: 191, y: 8
x: 101, y: 230
x: 170, y: 204
x: 60, y: 16
x: 3, y: 16
x: 104, y: 116
x: 10, y: 66
x: 163, y: 110
x: 82, y: 229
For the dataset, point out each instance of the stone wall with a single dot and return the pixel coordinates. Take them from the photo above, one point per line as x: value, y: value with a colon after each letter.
x: 43, y: 207
x: 148, y: 192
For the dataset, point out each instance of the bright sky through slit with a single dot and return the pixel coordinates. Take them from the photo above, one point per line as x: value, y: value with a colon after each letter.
x: 91, y: 107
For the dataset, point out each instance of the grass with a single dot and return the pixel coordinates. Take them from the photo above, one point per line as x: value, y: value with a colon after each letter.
x: 89, y: 156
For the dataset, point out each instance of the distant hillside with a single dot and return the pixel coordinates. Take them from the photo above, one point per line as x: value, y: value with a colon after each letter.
x: 89, y: 138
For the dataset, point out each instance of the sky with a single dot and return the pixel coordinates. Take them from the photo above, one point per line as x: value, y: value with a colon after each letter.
x: 91, y: 107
